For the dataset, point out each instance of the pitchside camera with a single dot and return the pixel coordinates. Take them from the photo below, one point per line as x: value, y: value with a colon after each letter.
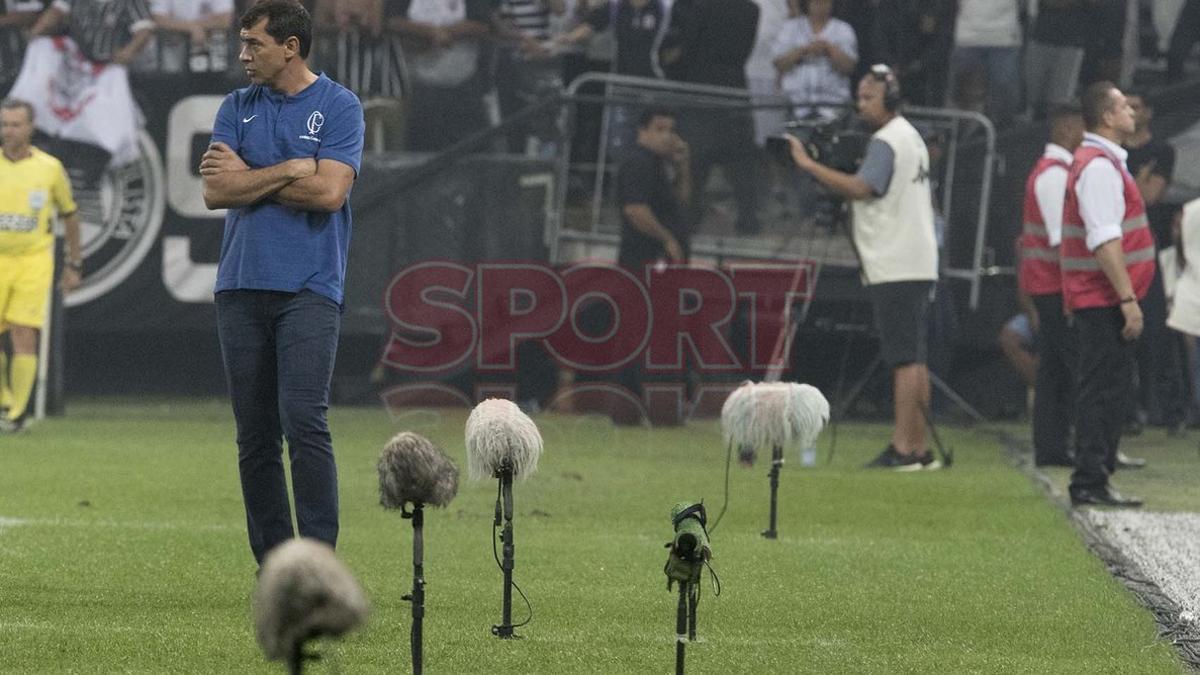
x: 839, y: 143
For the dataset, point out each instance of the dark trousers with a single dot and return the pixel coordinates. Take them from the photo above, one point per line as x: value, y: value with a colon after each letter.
x: 1105, y: 365
x: 278, y: 350
x: 1054, y: 391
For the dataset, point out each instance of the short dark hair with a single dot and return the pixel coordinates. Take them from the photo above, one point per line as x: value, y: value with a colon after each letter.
x: 648, y: 115
x: 17, y: 104
x: 1097, y: 100
x: 285, y: 19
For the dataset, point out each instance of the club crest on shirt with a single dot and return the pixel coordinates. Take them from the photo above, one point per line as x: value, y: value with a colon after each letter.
x: 37, y: 200
x: 315, y: 121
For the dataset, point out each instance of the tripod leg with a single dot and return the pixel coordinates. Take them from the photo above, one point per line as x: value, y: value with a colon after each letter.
x: 856, y: 390
x: 955, y: 398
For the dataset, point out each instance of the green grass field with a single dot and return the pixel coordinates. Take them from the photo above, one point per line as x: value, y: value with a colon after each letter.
x: 122, y: 549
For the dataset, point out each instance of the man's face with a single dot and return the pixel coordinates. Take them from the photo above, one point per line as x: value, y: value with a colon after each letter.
x: 659, y: 135
x: 262, y: 56
x: 1142, y: 113
x: 870, y: 101
x: 1120, y: 114
x: 16, y: 129
x: 1068, y: 131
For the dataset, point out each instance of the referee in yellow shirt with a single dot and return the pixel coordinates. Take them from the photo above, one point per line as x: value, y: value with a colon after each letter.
x: 33, y: 187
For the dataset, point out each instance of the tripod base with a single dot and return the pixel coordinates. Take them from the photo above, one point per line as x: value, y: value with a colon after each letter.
x: 505, y: 632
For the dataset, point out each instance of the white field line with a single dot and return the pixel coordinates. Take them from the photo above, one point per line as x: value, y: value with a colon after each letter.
x: 8, y: 522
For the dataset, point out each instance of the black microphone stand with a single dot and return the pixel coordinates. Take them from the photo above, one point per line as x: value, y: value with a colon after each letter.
x: 505, y: 474
x: 298, y: 657
x: 417, y: 598
x: 683, y: 619
x: 776, y: 463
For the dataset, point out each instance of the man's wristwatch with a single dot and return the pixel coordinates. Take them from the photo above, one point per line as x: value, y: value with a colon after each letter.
x: 1126, y: 301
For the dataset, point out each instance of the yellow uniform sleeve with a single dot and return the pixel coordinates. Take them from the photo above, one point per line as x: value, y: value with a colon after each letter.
x: 60, y: 191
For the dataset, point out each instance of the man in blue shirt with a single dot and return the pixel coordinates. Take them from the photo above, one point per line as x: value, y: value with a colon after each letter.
x: 285, y: 152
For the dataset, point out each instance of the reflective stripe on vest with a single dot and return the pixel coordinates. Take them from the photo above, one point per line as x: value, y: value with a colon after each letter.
x: 1039, y: 273
x: 1091, y: 264
x: 1085, y: 284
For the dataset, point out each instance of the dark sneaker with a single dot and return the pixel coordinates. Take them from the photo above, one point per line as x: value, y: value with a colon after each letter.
x: 8, y: 426
x: 887, y: 459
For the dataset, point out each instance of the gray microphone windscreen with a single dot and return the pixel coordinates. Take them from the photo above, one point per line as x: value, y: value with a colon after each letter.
x: 497, y: 431
x: 304, y: 592
x: 413, y: 469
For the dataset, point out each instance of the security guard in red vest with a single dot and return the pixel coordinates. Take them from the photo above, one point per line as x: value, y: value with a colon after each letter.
x: 1107, y: 260
x: 1041, y: 281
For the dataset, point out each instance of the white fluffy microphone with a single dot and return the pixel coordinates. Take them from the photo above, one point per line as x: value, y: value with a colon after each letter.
x: 770, y: 414
x: 497, y: 431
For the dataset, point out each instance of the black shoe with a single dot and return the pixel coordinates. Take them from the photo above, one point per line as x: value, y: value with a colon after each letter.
x: 887, y: 459
x: 1102, y: 496
x: 890, y: 458
x: 8, y: 426
x: 1126, y: 462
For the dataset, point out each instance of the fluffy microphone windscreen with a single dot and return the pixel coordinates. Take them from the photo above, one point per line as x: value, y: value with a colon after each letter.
x: 413, y: 469
x: 497, y: 430
x: 769, y: 414
x: 304, y: 592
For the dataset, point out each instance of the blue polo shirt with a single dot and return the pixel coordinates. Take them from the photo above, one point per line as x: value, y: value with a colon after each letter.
x: 268, y: 246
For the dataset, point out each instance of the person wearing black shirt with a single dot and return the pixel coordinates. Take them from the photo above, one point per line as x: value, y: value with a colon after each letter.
x: 654, y: 186
x: 1054, y: 52
x: 636, y: 25
x: 714, y: 40
x: 106, y: 31
x: 1160, y: 396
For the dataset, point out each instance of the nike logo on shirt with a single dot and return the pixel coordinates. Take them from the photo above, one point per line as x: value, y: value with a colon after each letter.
x: 249, y: 118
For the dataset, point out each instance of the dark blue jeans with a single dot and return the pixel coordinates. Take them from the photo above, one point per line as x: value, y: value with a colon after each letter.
x: 278, y: 350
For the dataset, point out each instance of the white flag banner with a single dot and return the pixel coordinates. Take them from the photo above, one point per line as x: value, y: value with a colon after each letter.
x: 80, y: 100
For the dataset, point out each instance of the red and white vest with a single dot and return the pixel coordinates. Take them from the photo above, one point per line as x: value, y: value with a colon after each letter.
x: 1084, y: 283
x: 1039, y: 273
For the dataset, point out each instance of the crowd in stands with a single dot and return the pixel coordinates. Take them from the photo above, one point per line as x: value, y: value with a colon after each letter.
x: 461, y: 65
x: 442, y: 70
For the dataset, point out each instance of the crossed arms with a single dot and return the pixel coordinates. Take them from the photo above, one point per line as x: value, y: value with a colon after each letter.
x: 304, y: 183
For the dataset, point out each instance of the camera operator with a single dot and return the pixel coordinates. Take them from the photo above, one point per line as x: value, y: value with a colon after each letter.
x: 893, y: 233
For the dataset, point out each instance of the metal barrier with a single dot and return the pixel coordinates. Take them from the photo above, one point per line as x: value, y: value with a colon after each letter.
x: 967, y: 141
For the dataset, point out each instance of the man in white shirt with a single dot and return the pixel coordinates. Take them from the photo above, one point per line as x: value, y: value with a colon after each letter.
x: 1041, y: 287
x: 1107, y: 255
